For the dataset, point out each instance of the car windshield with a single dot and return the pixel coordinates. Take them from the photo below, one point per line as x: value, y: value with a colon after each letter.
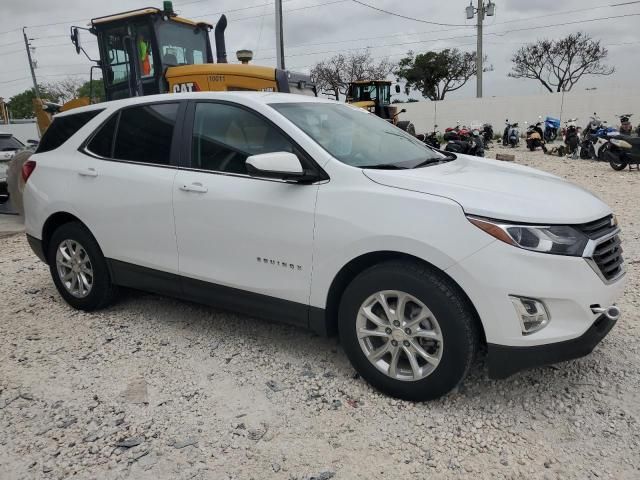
x: 358, y: 138
x: 8, y: 142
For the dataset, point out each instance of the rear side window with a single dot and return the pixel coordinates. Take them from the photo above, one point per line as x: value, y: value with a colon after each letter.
x: 64, y: 128
x: 102, y: 142
x: 144, y: 133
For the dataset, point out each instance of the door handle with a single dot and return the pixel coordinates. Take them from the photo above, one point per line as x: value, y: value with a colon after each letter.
x: 196, y: 187
x: 88, y: 172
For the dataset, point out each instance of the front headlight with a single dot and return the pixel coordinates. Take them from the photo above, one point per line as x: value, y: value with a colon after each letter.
x: 556, y: 239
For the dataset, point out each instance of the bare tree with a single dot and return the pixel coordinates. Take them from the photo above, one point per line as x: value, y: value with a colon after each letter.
x: 558, y: 65
x: 333, y: 76
x: 65, y: 90
x: 434, y: 74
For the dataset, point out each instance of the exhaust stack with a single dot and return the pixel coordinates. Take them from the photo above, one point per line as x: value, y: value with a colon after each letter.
x: 221, y: 48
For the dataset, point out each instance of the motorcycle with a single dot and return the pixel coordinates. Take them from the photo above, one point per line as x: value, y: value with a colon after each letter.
x: 596, y: 141
x: 623, y: 151
x: 534, y: 137
x: 551, y: 127
x: 456, y: 133
x: 626, y: 128
x: 487, y: 134
x: 572, y: 137
x: 432, y: 139
x: 472, y: 146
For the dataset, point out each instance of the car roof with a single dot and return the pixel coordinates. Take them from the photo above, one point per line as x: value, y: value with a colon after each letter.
x: 252, y: 97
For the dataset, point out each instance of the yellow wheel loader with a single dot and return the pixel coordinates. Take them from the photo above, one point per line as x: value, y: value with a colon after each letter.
x: 375, y: 96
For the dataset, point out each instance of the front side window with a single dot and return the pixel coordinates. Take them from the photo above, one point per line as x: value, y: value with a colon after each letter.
x: 181, y: 44
x: 63, y: 128
x: 144, y: 133
x: 357, y: 138
x: 225, y: 135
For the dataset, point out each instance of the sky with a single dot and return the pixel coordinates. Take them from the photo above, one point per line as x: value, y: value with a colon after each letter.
x: 317, y: 29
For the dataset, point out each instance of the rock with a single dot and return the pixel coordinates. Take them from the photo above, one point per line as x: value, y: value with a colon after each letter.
x: 130, y: 442
x: 325, y: 475
x: 276, y: 467
x: 92, y: 437
x: 186, y: 442
x: 257, y: 433
x: 136, y: 391
x: 274, y: 386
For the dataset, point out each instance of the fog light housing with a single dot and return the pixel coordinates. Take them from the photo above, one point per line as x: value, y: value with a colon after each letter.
x: 533, y: 314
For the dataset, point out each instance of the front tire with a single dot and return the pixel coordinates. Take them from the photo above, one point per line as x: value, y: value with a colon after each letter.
x: 408, y: 330
x: 79, y: 269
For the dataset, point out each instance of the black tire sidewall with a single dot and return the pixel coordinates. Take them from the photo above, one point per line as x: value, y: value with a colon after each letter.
x: 445, y: 303
x: 102, y: 285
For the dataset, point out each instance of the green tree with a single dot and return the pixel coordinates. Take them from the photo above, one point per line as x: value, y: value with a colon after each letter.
x: 21, y: 105
x: 434, y: 74
x: 97, y: 91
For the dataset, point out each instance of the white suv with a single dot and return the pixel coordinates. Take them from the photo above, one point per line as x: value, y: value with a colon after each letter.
x: 322, y: 215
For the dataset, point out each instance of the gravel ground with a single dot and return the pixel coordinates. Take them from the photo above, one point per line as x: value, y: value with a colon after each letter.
x: 154, y: 388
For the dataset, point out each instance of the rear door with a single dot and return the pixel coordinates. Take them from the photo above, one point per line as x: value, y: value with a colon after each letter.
x: 124, y: 186
x: 243, y: 242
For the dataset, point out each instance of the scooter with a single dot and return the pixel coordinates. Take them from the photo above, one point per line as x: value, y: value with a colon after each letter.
x: 432, y: 139
x: 623, y: 151
x: 595, y: 144
x: 534, y: 137
x: 513, y: 135
x: 551, y: 127
x: 572, y: 137
x: 472, y: 146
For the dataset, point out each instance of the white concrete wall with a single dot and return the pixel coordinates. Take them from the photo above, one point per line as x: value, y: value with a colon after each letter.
x: 495, y: 110
x: 22, y: 131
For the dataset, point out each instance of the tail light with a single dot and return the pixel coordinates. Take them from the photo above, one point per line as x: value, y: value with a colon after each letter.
x: 27, y: 169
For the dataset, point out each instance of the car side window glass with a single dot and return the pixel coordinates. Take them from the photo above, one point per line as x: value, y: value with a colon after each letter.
x: 145, y: 132
x: 102, y: 142
x: 225, y: 135
x: 63, y: 128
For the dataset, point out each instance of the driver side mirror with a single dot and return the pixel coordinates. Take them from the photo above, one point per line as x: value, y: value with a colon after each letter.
x: 75, y: 39
x: 280, y: 165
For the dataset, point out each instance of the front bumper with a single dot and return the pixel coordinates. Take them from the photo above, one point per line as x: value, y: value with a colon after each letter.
x: 36, y: 246
x: 504, y: 360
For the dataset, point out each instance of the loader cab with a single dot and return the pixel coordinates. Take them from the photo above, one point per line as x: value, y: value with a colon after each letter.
x: 137, y: 47
x: 374, y: 96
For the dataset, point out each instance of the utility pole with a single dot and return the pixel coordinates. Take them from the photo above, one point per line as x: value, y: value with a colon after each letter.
x: 483, y: 9
x: 33, y: 73
x: 279, y: 35
x: 479, y: 51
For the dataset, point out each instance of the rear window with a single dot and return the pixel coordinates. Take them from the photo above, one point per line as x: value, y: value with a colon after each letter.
x: 8, y: 142
x: 64, y: 128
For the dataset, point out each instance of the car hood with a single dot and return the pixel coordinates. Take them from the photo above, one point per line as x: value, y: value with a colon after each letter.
x: 499, y: 190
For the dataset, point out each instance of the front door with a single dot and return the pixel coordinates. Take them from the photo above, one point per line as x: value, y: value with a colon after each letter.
x: 243, y: 242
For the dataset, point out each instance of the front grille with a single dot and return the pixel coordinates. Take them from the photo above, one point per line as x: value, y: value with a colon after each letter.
x: 598, y: 228
x: 606, y: 257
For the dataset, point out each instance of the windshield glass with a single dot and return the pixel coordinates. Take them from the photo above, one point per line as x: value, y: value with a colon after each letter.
x: 181, y: 44
x: 8, y: 142
x: 357, y: 138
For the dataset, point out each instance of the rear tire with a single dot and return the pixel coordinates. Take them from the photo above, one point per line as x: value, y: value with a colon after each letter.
x: 79, y: 269
x: 617, y: 163
x: 424, y: 293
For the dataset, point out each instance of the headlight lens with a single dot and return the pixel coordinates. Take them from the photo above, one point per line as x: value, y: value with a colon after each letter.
x: 556, y: 239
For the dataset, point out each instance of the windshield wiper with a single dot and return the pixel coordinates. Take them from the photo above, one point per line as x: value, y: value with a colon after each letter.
x: 431, y: 161
x: 384, y: 166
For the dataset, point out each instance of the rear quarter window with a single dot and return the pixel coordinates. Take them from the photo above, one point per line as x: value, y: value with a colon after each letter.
x: 64, y: 128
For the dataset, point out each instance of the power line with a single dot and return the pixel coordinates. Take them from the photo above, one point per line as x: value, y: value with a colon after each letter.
x: 506, y: 32
x: 273, y: 13
x: 409, y: 18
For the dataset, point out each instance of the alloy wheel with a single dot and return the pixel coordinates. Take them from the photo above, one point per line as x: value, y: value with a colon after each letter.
x: 74, y: 268
x: 399, y: 335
